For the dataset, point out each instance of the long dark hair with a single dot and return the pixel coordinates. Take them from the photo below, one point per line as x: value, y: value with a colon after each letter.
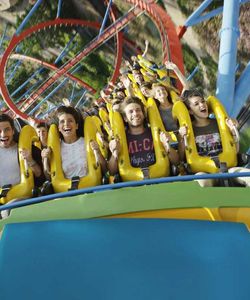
x: 187, y: 94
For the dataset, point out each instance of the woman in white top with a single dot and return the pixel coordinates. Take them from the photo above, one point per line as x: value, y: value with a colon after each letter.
x: 73, y: 148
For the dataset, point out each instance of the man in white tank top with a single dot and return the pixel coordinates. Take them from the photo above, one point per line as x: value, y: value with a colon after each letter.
x: 9, y: 165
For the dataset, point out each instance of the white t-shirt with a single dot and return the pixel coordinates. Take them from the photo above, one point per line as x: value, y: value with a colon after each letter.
x: 74, y: 159
x: 9, y: 166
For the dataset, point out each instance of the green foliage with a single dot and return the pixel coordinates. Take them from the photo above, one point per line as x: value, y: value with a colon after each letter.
x: 47, y: 45
x: 190, y: 62
x: 211, y: 67
x: 245, y: 140
x: 161, y: 3
x: 19, y: 77
x: 183, y: 6
x: 188, y: 7
x: 95, y: 71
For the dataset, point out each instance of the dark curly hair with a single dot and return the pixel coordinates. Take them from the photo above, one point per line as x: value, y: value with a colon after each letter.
x: 76, y: 115
x: 6, y: 118
x: 130, y: 100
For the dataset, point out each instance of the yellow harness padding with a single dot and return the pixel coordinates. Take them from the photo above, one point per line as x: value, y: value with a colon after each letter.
x: 199, y: 163
x: 38, y: 144
x: 136, y: 90
x: 173, y: 95
x: 104, y: 116
x: 59, y: 182
x: 109, y: 107
x: 147, y: 65
x: 98, y: 124
x: 163, y: 73
x: 161, y: 166
x: 148, y: 74
x: 157, y: 118
x: 139, y: 94
x: 24, y: 188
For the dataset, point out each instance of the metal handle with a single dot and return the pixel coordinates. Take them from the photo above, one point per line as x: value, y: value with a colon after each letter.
x: 185, y: 139
x: 96, y: 157
x: 116, y: 154
x: 46, y: 165
x: 236, y: 135
x: 167, y: 147
x: 26, y: 167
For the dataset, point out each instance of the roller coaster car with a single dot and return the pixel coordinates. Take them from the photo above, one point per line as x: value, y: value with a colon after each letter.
x: 206, y: 164
x: 59, y: 182
x: 161, y: 72
x: 24, y: 188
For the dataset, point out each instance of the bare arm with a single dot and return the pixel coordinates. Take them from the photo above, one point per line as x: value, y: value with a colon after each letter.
x: 181, y: 145
x: 46, y: 154
x: 114, y: 146
x: 99, y: 157
x: 127, y: 84
x: 26, y: 155
x: 146, y: 48
x: 232, y: 125
x: 172, y: 66
x: 172, y: 154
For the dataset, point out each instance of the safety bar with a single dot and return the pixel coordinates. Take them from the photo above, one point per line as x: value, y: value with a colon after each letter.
x: 105, y: 187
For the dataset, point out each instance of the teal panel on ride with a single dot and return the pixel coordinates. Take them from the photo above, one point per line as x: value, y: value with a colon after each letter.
x: 125, y: 259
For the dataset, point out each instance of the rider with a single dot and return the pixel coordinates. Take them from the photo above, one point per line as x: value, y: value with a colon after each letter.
x: 139, y: 138
x: 206, y: 132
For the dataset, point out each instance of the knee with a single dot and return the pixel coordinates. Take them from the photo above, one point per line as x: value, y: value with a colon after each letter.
x: 205, y: 182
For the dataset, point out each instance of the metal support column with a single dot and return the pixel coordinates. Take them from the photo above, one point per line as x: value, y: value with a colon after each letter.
x: 227, y: 57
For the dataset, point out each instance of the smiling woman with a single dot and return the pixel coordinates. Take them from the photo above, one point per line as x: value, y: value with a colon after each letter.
x: 73, y: 148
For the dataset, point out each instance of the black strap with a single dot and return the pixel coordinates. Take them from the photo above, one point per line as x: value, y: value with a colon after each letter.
x: 74, y: 183
x: 216, y: 161
x: 5, y: 190
x: 145, y: 172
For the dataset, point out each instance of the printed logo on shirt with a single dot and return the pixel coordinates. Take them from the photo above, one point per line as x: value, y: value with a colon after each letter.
x: 208, y: 144
x: 141, y: 153
x: 140, y: 146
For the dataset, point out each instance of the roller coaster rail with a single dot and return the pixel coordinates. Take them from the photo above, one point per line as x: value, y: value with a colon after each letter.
x: 157, y: 14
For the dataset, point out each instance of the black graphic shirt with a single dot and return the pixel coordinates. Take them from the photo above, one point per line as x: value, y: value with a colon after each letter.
x: 141, y: 149
x: 207, y: 139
